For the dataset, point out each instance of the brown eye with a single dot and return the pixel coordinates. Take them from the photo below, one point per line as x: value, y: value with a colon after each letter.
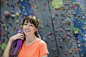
x: 31, y: 25
x: 25, y: 24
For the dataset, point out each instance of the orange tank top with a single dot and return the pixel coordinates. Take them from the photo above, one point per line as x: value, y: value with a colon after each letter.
x: 36, y: 49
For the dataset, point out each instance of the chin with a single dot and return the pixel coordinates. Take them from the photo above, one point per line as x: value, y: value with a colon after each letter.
x: 27, y: 33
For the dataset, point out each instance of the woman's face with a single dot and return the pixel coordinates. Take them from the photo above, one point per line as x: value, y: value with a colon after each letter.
x: 29, y: 29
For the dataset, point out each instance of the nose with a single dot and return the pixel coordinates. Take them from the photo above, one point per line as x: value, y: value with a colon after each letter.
x: 27, y: 26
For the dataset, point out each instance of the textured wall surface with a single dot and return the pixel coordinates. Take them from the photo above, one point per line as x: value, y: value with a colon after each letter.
x: 56, y: 25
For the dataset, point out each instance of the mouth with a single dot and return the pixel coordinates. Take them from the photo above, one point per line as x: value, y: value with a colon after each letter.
x: 27, y: 30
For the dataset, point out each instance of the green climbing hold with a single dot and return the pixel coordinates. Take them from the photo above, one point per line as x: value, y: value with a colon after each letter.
x: 3, y: 46
x: 57, y: 3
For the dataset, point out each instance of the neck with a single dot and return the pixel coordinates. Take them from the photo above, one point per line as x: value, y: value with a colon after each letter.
x: 30, y: 38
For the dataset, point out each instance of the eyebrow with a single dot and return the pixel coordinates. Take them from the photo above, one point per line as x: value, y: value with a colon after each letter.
x: 26, y: 22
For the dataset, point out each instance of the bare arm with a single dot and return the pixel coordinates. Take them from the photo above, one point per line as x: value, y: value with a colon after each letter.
x: 7, y: 49
x: 45, y: 55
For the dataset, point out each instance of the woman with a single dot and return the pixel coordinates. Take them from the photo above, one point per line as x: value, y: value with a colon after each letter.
x: 32, y: 45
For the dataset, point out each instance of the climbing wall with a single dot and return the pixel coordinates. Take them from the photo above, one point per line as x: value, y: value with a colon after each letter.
x: 62, y: 24
x: 0, y: 28
x: 79, y: 20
